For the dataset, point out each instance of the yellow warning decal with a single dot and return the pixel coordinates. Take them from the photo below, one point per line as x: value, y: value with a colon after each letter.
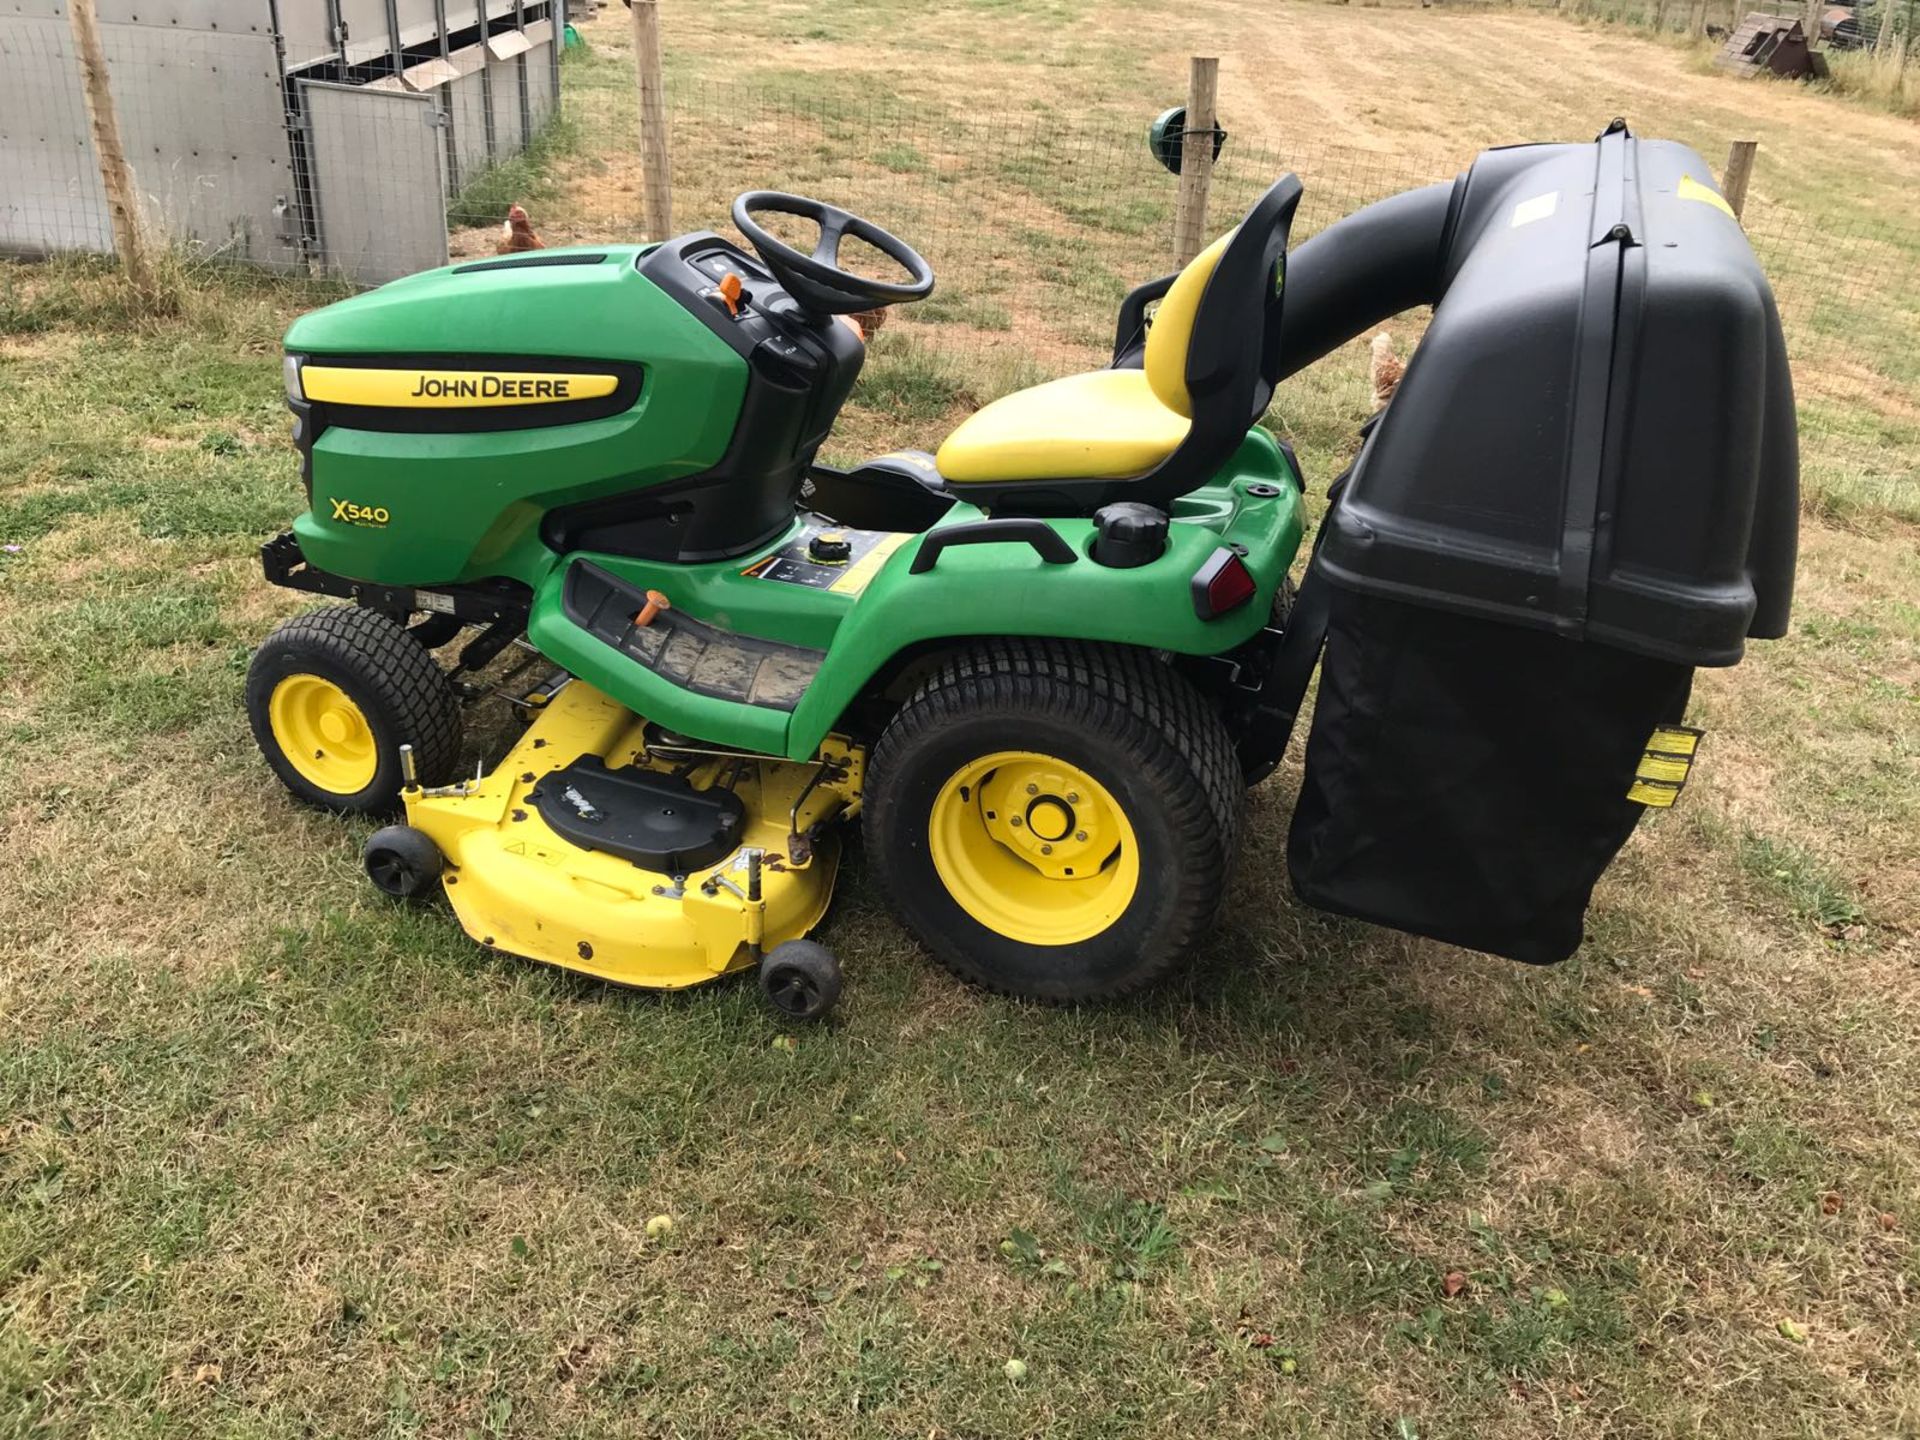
x: 1664, y: 766
x: 449, y: 389
x: 1692, y: 189
x: 867, y: 566
x: 1670, y: 768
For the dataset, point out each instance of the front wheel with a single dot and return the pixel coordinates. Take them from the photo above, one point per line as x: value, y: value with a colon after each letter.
x: 333, y: 694
x: 1052, y: 820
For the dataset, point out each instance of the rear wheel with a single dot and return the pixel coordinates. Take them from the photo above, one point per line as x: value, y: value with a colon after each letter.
x: 1054, y: 821
x: 332, y: 696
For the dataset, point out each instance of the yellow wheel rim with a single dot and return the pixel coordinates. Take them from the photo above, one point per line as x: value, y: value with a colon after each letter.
x: 1034, y: 848
x: 323, y: 734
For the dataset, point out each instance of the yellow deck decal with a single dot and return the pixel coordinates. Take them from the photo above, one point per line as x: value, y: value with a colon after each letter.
x: 449, y: 389
x: 1692, y: 189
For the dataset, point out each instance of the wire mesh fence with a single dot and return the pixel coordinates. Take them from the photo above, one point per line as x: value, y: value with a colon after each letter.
x: 373, y: 160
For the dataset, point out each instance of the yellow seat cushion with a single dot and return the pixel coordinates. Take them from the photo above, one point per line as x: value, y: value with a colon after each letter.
x: 1106, y: 425
x: 1110, y: 425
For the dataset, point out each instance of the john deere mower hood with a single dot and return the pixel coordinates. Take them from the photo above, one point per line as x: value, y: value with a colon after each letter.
x: 1585, y: 485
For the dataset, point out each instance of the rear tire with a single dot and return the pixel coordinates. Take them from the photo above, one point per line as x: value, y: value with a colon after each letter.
x: 332, y: 696
x: 1053, y: 820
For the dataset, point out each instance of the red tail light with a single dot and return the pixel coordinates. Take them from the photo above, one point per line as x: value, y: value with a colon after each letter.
x: 1222, y: 584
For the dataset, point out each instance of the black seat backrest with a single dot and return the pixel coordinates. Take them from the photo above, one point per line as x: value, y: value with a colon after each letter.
x: 1234, y: 349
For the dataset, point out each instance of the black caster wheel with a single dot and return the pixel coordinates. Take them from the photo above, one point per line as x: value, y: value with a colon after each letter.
x: 402, y: 861
x: 800, y: 979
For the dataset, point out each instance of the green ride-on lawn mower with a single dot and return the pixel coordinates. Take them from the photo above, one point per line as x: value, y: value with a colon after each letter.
x: 1041, y: 667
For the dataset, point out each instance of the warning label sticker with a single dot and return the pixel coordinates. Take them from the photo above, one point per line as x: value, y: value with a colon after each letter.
x: 825, y: 556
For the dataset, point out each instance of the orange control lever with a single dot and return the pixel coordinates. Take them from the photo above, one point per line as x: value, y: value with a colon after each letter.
x: 730, y: 292
x: 656, y: 602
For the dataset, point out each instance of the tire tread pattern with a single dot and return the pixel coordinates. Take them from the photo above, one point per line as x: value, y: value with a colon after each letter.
x: 1159, y: 719
x: 404, y: 679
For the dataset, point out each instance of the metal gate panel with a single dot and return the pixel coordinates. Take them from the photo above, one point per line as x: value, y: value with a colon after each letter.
x: 379, y: 178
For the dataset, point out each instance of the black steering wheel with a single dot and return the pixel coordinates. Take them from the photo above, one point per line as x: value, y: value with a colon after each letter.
x: 816, y: 281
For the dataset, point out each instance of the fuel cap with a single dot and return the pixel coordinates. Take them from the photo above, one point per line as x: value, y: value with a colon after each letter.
x: 830, y: 547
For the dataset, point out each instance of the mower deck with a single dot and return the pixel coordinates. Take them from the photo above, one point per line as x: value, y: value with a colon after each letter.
x: 519, y: 885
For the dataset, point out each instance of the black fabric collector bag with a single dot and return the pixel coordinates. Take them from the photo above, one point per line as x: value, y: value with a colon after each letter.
x: 1467, y: 780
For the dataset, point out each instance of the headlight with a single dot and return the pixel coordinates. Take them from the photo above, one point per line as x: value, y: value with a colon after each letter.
x: 290, y: 368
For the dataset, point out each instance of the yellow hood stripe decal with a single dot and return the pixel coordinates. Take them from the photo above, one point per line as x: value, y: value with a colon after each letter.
x: 449, y: 389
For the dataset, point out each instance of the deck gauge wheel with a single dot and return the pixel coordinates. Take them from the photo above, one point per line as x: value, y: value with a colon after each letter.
x: 402, y: 861
x: 800, y: 979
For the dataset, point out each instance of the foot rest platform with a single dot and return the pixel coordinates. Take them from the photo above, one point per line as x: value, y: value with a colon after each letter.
x: 692, y: 654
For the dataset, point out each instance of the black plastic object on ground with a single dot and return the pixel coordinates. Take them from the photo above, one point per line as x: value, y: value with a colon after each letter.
x: 1585, y: 486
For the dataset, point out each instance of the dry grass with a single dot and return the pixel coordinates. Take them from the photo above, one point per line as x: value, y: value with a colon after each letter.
x: 279, y: 1159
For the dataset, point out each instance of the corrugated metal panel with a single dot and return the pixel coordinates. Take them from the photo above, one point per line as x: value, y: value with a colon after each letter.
x: 378, y: 180
x: 229, y: 17
x: 51, y: 198
x: 467, y: 104
x: 367, y: 35
x: 540, y: 92
x: 508, y: 133
x: 419, y: 21
x: 306, y: 32
x: 210, y: 175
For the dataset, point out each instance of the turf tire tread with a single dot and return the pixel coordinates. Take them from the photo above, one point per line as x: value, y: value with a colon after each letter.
x: 1160, y: 720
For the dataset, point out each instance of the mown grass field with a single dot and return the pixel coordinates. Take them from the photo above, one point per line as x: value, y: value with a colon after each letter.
x: 280, y: 1159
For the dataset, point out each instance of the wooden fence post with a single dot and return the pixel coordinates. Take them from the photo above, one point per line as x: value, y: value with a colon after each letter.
x: 116, y: 176
x: 1733, y: 180
x: 655, y: 162
x: 1196, y: 159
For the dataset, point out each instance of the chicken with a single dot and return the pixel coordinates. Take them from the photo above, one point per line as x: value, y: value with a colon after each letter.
x: 517, y: 235
x: 1387, y: 369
